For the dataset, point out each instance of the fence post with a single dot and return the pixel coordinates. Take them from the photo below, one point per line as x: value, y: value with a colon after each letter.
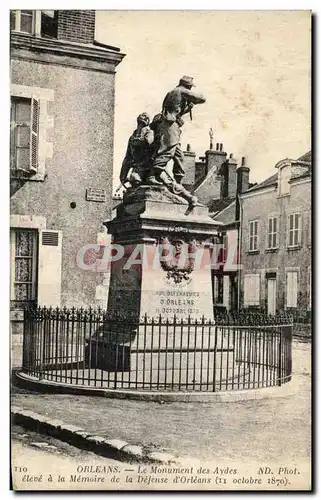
x: 25, y: 340
x: 288, y: 338
x: 280, y: 357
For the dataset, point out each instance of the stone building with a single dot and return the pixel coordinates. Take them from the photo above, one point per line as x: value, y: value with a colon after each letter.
x: 61, y: 157
x: 275, y: 222
x: 217, y: 179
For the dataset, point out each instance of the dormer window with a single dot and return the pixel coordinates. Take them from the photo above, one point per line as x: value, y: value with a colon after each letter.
x: 284, y: 177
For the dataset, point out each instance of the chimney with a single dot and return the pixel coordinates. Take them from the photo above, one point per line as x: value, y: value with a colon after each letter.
x: 243, y: 177
x: 215, y: 157
x: 188, y: 180
x: 228, y: 178
x: 76, y: 25
x: 232, y: 177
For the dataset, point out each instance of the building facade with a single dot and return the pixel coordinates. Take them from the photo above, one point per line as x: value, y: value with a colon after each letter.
x: 275, y: 224
x: 61, y: 158
x: 217, y: 179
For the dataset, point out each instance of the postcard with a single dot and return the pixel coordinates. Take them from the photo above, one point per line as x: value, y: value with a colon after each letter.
x: 160, y: 250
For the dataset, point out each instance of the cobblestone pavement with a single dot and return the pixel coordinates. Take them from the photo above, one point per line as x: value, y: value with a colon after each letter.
x: 258, y: 431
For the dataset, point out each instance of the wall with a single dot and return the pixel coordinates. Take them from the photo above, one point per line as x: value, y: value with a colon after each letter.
x: 82, y: 137
x: 258, y: 207
x: 76, y: 25
x: 210, y: 188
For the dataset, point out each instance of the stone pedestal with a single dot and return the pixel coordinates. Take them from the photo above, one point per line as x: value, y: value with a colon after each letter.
x: 140, y: 284
x: 164, y: 271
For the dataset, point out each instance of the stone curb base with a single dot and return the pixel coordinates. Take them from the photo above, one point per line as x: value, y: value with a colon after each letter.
x: 47, y: 386
x: 72, y: 434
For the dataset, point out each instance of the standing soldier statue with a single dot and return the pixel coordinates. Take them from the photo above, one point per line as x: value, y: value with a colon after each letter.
x: 167, y: 126
x: 152, y: 146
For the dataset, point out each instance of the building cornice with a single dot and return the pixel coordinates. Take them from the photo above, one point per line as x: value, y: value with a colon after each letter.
x: 52, y: 51
x: 286, y: 162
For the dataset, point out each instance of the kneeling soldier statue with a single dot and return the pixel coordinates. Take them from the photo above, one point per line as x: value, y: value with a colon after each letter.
x: 137, y: 161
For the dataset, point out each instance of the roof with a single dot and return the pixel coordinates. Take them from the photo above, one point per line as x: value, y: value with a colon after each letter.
x: 227, y: 215
x: 300, y: 171
x: 270, y: 181
x: 300, y: 168
x: 306, y: 157
x: 218, y: 205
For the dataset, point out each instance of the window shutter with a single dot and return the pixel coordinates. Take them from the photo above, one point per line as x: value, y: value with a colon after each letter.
x: 299, y: 228
x: 226, y: 291
x: 12, y: 135
x: 251, y: 289
x: 289, y: 289
x: 292, y: 289
x: 49, y: 269
x: 309, y: 229
x: 34, y: 130
x: 247, y: 287
x: 257, y: 229
x: 277, y: 229
x: 256, y: 288
x: 288, y: 233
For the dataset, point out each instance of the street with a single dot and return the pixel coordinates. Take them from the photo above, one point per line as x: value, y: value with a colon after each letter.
x: 280, y: 427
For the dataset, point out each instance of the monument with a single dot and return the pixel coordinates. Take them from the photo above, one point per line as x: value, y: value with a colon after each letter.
x: 165, y: 234
x: 163, y: 239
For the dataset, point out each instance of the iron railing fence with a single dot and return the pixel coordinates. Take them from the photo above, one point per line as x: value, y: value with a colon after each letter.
x: 246, y: 317
x: 250, y: 315
x: 90, y: 348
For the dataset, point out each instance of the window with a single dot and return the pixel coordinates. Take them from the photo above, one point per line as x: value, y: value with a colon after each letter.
x: 23, y: 20
x: 291, y: 289
x: 252, y: 290
x: 49, y: 23
x: 35, y: 22
x: 294, y: 230
x: 26, y: 21
x: 273, y: 235
x: 24, y: 245
x: 254, y: 238
x: 12, y: 20
x: 284, y: 177
x: 24, y: 126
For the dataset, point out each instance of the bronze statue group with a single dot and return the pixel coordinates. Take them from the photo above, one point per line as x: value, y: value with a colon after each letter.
x: 153, y: 144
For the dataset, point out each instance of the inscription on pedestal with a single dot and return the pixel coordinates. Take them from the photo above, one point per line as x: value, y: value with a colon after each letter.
x: 177, y: 302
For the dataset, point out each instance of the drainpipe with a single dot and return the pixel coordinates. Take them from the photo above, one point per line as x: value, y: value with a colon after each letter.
x: 239, y: 244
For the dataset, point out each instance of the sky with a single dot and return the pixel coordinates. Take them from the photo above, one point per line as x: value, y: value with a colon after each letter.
x: 252, y: 66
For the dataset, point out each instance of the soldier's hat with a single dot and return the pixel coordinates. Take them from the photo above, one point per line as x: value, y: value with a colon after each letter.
x: 188, y: 80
